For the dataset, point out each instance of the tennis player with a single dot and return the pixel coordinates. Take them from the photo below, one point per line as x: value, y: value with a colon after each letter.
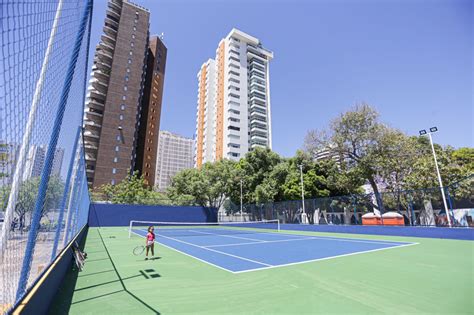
x: 150, y: 242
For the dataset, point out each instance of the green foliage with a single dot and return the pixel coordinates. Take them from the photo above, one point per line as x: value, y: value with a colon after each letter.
x: 131, y: 190
x: 383, y: 156
x: 28, y: 193
x: 208, y: 186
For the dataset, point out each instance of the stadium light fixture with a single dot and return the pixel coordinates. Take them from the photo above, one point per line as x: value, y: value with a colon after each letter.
x: 422, y: 133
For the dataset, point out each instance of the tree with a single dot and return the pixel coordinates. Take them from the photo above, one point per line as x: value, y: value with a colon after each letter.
x: 28, y: 193
x: 208, y: 186
x: 132, y: 190
x: 364, y: 145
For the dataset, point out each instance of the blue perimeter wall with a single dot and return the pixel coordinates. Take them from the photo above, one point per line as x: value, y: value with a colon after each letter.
x: 409, y: 231
x: 121, y: 215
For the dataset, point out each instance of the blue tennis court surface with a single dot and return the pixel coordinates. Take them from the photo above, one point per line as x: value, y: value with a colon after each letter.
x: 239, y: 251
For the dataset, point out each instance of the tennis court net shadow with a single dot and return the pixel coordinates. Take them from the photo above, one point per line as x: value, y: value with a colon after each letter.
x: 64, y: 297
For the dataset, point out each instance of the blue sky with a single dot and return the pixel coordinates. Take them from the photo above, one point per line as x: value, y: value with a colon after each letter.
x: 411, y: 60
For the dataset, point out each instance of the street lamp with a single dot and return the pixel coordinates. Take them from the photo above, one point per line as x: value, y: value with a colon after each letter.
x: 422, y: 133
x: 304, y: 218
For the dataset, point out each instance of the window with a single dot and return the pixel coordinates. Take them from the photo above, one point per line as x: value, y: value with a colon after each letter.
x: 121, y: 117
x: 115, y: 159
x: 133, y: 36
x: 126, y: 78
x: 234, y: 128
x: 119, y: 138
x: 124, y: 97
x: 131, y: 53
x: 132, y: 44
x: 114, y: 170
x: 112, y: 181
x: 122, y: 107
x: 129, y: 61
x: 116, y: 148
x: 125, y: 88
x: 128, y: 70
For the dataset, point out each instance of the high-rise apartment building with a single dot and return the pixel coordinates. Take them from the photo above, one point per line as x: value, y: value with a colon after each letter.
x: 117, y: 107
x: 35, y: 161
x: 233, y: 110
x: 175, y: 153
x: 149, y: 126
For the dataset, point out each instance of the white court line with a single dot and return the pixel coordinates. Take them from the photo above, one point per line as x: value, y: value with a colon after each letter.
x: 216, y: 251
x: 310, y: 238
x: 325, y: 258
x: 260, y: 242
x: 237, y: 237
x: 189, y: 255
x: 283, y: 265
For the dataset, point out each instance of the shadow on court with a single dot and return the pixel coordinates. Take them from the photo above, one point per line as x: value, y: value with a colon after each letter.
x: 64, y: 297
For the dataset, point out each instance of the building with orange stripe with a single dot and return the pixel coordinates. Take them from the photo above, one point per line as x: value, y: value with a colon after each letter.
x: 234, y: 110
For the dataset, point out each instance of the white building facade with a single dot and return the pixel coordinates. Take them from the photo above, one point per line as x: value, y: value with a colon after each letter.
x: 234, y: 110
x: 175, y: 153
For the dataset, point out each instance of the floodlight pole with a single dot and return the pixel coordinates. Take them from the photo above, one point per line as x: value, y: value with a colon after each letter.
x: 303, y: 215
x: 439, y: 179
x: 241, y: 201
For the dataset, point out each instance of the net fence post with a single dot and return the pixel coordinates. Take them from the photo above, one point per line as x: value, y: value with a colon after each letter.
x: 64, y: 197
x: 71, y: 198
x: 46, y: 171
x: 450, y: 206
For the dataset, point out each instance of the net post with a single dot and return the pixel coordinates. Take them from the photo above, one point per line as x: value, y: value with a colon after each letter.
x: 130, y: 229
x: 278, y: 225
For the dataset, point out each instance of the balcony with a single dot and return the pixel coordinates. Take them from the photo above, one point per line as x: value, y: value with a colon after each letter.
x: 257, y: 89
x: 257, y: 97
x: 110, y: 31
x: 257, y: 106
x: 94, y: 94
x: 99, y: 75
x: 90, y: 134
x: 108, y: 40
x: 90, y: 147
x: 258, y: 127
x: 256, y: 137
x: 257, y: 70
x: 93, y: 103
x: 104, y: 55
x: 90, y: 123
x: 257, y: 116
x: 113, y: 11
x: 107, y: 47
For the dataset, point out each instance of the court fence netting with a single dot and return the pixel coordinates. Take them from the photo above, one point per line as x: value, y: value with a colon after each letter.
x: 419, y: 207
x: 172, y: 229
x: 44, y: 198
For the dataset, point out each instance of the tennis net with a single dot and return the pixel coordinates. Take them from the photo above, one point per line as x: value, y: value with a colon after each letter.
x: 140, y: 228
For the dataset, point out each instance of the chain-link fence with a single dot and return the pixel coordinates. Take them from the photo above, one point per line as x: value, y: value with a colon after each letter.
x: 422, y: 207
x: 44, y: 199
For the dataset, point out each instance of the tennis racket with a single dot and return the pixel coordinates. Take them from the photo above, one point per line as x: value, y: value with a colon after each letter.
x: 137, y: 251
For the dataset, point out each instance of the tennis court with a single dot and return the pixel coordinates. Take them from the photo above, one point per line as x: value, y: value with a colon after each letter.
x: 242, y: 247
x: 369, y: 274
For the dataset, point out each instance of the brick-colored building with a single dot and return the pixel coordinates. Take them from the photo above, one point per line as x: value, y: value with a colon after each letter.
x: 149, y: 128
x: 115, y: 108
